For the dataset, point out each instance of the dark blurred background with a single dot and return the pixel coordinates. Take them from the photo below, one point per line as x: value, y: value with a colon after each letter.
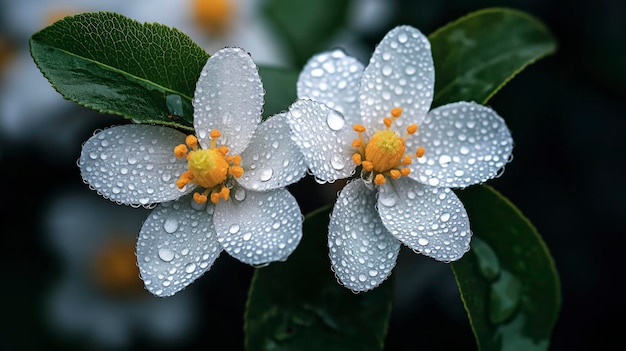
x: 566, y: 113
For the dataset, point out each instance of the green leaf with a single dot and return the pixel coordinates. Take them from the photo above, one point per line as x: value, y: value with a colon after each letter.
x: 280, y: 89
x: 299, y: 305
x: 113, y: 64
x: 478, y: 54
x: 508, y: 281
x: 306, y: 26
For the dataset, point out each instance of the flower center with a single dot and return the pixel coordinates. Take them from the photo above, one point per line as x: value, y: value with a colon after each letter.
x: 384, y: 154
x: 213, y: 16
x: 209, y: 168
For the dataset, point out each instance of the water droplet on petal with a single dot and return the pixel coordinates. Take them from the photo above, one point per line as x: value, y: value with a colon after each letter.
x: 387, y: 70
x: 445, y: 217
x: 247, y: 236
x: 422, y: 241
x: 388, y: 199
x: 335, y: 120
x: 444, y: 160
x: 337, y: 162
x: 170, y: 225
x: 166, y: 254
x: 234, y: 228
x: 190, y: 268
x: 240, y: 194
x: 266, y: 174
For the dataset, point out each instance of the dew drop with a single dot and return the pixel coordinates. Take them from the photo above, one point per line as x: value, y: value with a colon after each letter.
x: 266, y: 174
x: 387, y: 70
x: 362, y: 277
x: 422, y: 241
x: 388, y: 199
x: 170, y: 225
x: 337, y: 162
x: 240, y: 194
x: 190, y: 268
x: 444, y: 160
x: 445, y: 217
x: 464, y: 150
x: 402, y: 38
x: 234, y: 228
x: 166, y: 254
x: 247, y: 236
x: 433, y: 181
x: 335, y: 120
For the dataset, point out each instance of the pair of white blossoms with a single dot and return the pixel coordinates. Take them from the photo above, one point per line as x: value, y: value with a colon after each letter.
x: 223, y: 189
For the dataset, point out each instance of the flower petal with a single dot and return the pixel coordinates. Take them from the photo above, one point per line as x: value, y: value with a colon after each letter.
x: 429, y: 220
x: 323, y: 138
x: 466, y: 143
x: 229, y: 98
x: 134, y: 164
x: 400, y: 74
x: 333, y: 78
x: 261, y: 227
x: 362, y: 251
x: 271, y: 160
x: 177, y: 244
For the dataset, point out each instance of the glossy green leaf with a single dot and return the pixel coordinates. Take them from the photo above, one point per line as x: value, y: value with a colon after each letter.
x: 306, y: 26
x: 299, y: 305
x: 113, y: 64
x: 508, y: 281
x: 478, y: 54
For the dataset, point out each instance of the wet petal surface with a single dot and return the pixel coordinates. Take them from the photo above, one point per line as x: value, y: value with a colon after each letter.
x: 400, y: 74
x: 134, y: 164
x: 324, y: 139
x: 333, y: 78
x: 259, y: 227
x: 466, y: 143
x: 362, y: 251
x: 229, y: 98
x: 271, y: 160
x: 429, y: 220
x: 177, y: 244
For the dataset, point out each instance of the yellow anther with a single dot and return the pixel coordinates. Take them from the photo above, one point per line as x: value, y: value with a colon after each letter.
x: 359, y: 128
x: 215, y: 134
x: 237, y: 160
x: 387, y: 122
x: 191, y: 141
x: 236, y: 171
x: 407, y: 160
x: 367, y: 166
x: 184, y: 179
x: 180, y: 150
x: 396, y: 112
x: 215, y: 198
x: 200, y: 198
x: 356, y: 158
x: 395, y: 174
x: 357, y: 143
x: 224, y: 193
x: 223, y: 150
x: 420, y: 151
x: 411, y: 129
x: 379, y: 179
x: 405, y: 171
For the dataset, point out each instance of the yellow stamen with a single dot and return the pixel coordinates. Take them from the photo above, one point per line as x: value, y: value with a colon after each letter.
x: 192, y: 142
x: 213, y: 16
x: 379, y: 179
x: 180, y: 151
x: 396, y: 112
x: 384, y: 153
x: 420, y: 151
x: 208, y: 168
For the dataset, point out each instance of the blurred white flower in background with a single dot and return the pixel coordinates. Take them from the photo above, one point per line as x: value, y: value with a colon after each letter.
x: 99, y: 297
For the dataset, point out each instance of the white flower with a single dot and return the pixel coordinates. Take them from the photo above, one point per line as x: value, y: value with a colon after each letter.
x: 99, y: 296
x: 370, y: 118
x: 241, y: 166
